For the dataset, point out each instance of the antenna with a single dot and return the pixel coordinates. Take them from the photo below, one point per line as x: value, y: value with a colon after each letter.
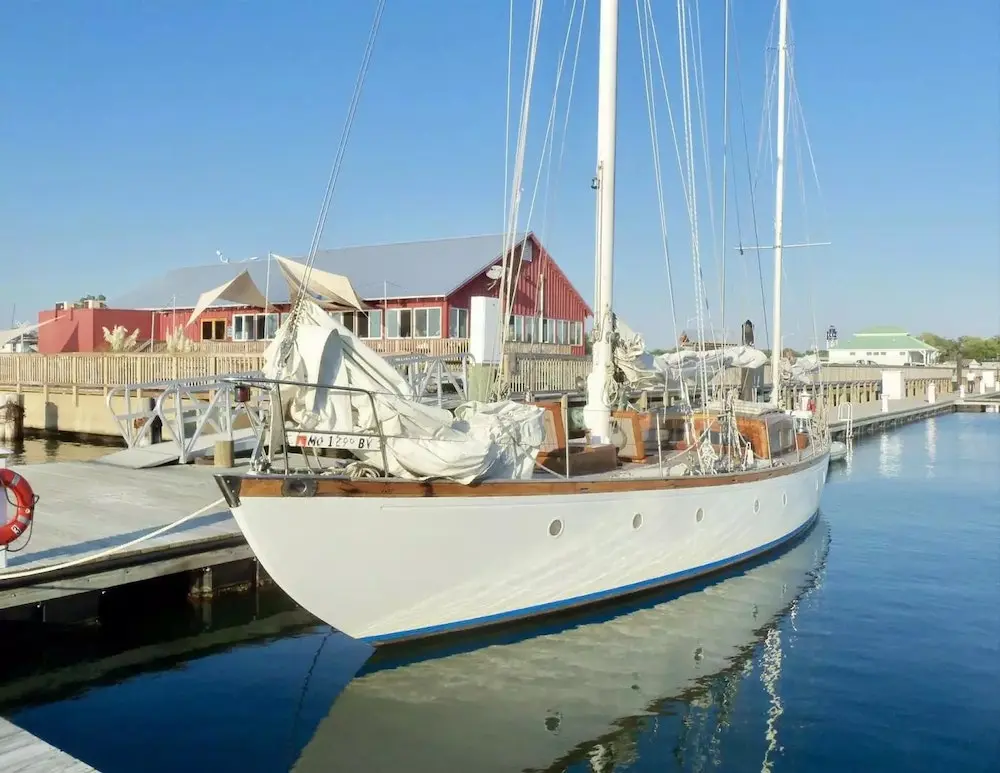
x: 218, y: 254
x: 494, y: 272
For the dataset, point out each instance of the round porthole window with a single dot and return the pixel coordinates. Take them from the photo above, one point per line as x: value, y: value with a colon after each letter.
x: 637, y: 520
x: 699, y: 515
x: 756, y: 506
x: 556, y: 528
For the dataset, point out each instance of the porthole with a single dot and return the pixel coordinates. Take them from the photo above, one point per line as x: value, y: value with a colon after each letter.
x: 784, y: 500
x: 756, y: 506
x: 699, y: 515
x: 637, y: 520
x: 556, y: 528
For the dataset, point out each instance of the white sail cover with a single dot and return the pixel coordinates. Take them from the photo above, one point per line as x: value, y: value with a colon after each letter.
x: 687, y: 365
x: 240, y: 290
x: 482, y: 440
x: 800, y: 371
x: 644, y: 371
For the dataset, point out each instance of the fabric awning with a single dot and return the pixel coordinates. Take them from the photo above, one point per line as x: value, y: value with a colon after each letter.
x: 333, y: 289
x: 6, y: 336
x: 241, y: 291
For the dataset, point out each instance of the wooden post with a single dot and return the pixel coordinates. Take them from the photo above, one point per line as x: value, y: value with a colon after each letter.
x: 223, y: 453
x: 564, y: 408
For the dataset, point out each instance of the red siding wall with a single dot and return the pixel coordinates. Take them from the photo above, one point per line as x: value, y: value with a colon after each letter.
x: 561, y: 300
x: 82, y: 330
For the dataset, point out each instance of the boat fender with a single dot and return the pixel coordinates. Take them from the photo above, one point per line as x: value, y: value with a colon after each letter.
x: 25, y: 501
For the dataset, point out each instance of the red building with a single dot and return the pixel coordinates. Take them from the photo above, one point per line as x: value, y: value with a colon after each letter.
x: 418, y: 294
x: 72, y: 329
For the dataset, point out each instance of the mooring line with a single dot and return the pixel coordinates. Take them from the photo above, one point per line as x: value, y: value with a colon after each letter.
x: 109, y: 551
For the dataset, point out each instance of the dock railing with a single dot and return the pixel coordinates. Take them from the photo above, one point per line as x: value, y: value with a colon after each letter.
x: 187, y: 411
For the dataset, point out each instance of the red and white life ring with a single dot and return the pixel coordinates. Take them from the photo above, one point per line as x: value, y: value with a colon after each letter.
x: 25, y: 501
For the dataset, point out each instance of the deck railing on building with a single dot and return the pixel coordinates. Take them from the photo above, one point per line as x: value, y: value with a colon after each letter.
x: 534, y: 371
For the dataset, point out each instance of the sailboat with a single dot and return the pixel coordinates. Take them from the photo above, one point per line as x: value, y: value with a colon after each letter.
x: 540, y: 702
x: 417, y: 523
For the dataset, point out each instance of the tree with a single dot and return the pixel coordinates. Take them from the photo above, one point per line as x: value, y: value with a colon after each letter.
x: 968, y: 347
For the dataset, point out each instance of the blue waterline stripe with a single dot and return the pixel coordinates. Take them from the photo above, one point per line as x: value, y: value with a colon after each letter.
x: 590, y: 598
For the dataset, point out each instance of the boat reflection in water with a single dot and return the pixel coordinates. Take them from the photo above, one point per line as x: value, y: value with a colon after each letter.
x: 581, y: 694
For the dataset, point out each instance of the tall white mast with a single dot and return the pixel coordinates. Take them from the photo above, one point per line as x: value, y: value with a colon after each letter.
x: 597, y: 413
x: 779, y: 203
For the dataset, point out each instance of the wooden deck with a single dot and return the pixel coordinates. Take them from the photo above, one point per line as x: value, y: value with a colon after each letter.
x: 87, y: 507
x: 869, y: 417
x: 21, y: 752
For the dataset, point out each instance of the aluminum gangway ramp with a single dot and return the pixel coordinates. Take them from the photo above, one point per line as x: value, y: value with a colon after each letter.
x: 169, y: 452
x: 190, y: 415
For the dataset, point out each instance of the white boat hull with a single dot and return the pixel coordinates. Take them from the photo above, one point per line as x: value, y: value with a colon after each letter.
x: 390, y: 568
x: 529, y: 704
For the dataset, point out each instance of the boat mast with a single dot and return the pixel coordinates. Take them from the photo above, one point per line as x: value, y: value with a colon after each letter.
x: 597, y: 413
x: 779, y: 203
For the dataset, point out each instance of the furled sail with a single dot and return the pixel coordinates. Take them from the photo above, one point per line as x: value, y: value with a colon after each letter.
x: 481, y: 440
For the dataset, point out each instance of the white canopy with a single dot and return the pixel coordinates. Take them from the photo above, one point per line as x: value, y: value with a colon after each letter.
x: 331, y: 288
x: 240, y: 290
x: 6, y: 336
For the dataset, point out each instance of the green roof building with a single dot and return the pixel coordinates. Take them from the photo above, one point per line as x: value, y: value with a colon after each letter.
x: 884, y: 345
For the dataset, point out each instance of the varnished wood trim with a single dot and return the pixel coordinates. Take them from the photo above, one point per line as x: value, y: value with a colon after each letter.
x: 271, y: 485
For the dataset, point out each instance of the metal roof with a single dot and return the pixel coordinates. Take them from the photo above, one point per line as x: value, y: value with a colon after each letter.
x: 883, y: 341
x: 433, y: 268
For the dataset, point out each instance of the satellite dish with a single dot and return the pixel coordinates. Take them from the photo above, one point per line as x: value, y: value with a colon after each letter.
x: 494, y: 272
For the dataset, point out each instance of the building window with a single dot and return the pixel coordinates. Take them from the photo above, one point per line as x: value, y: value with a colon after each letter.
x: 414, y: 323
x: 213, y: 330
x: 530, y: 329
x: 255, y: 327
x: 562, y: 334
x: 364, y: 324
x: 458, y: 323
x: 427, y: 322
x: 577, y: 339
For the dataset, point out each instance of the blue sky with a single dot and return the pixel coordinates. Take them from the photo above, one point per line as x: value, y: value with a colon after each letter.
x: 138, y: 136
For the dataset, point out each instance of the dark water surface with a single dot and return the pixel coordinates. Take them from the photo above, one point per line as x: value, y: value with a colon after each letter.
x: 873, y: 644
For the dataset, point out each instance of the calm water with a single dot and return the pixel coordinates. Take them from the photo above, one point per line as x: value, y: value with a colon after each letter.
x: 38, y: 450
x: 871, y: 645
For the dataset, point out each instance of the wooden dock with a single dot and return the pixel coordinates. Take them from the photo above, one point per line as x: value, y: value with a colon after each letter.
x: 21, y: 752
x: 866, y: 418
x: 85, y: 508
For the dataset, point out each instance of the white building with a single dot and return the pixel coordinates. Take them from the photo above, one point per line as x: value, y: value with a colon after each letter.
x: 885, y: 346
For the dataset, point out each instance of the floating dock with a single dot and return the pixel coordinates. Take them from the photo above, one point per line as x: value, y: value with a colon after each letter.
x: 21, y: 752
x: 87, y: 508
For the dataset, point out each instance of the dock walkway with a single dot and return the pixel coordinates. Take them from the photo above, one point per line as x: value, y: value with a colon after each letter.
x: 85, y: 508
x: 21, y: 752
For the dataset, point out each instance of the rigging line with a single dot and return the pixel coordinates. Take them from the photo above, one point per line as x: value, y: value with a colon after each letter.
x: 549, y: 141
x: 753, y: 198
x: 510, y: 214
x: 565, y: 129
x: 506, y: 136
x: 682, y: 30
x: 725, y: 155
x: 645, y: 22
x: 799, y: 118
x: 699, y: 65
x: 547, y: 144
x: 702, y: 115
x: 342, y: 148
x: 765, y: 133
x: 510, y: 234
